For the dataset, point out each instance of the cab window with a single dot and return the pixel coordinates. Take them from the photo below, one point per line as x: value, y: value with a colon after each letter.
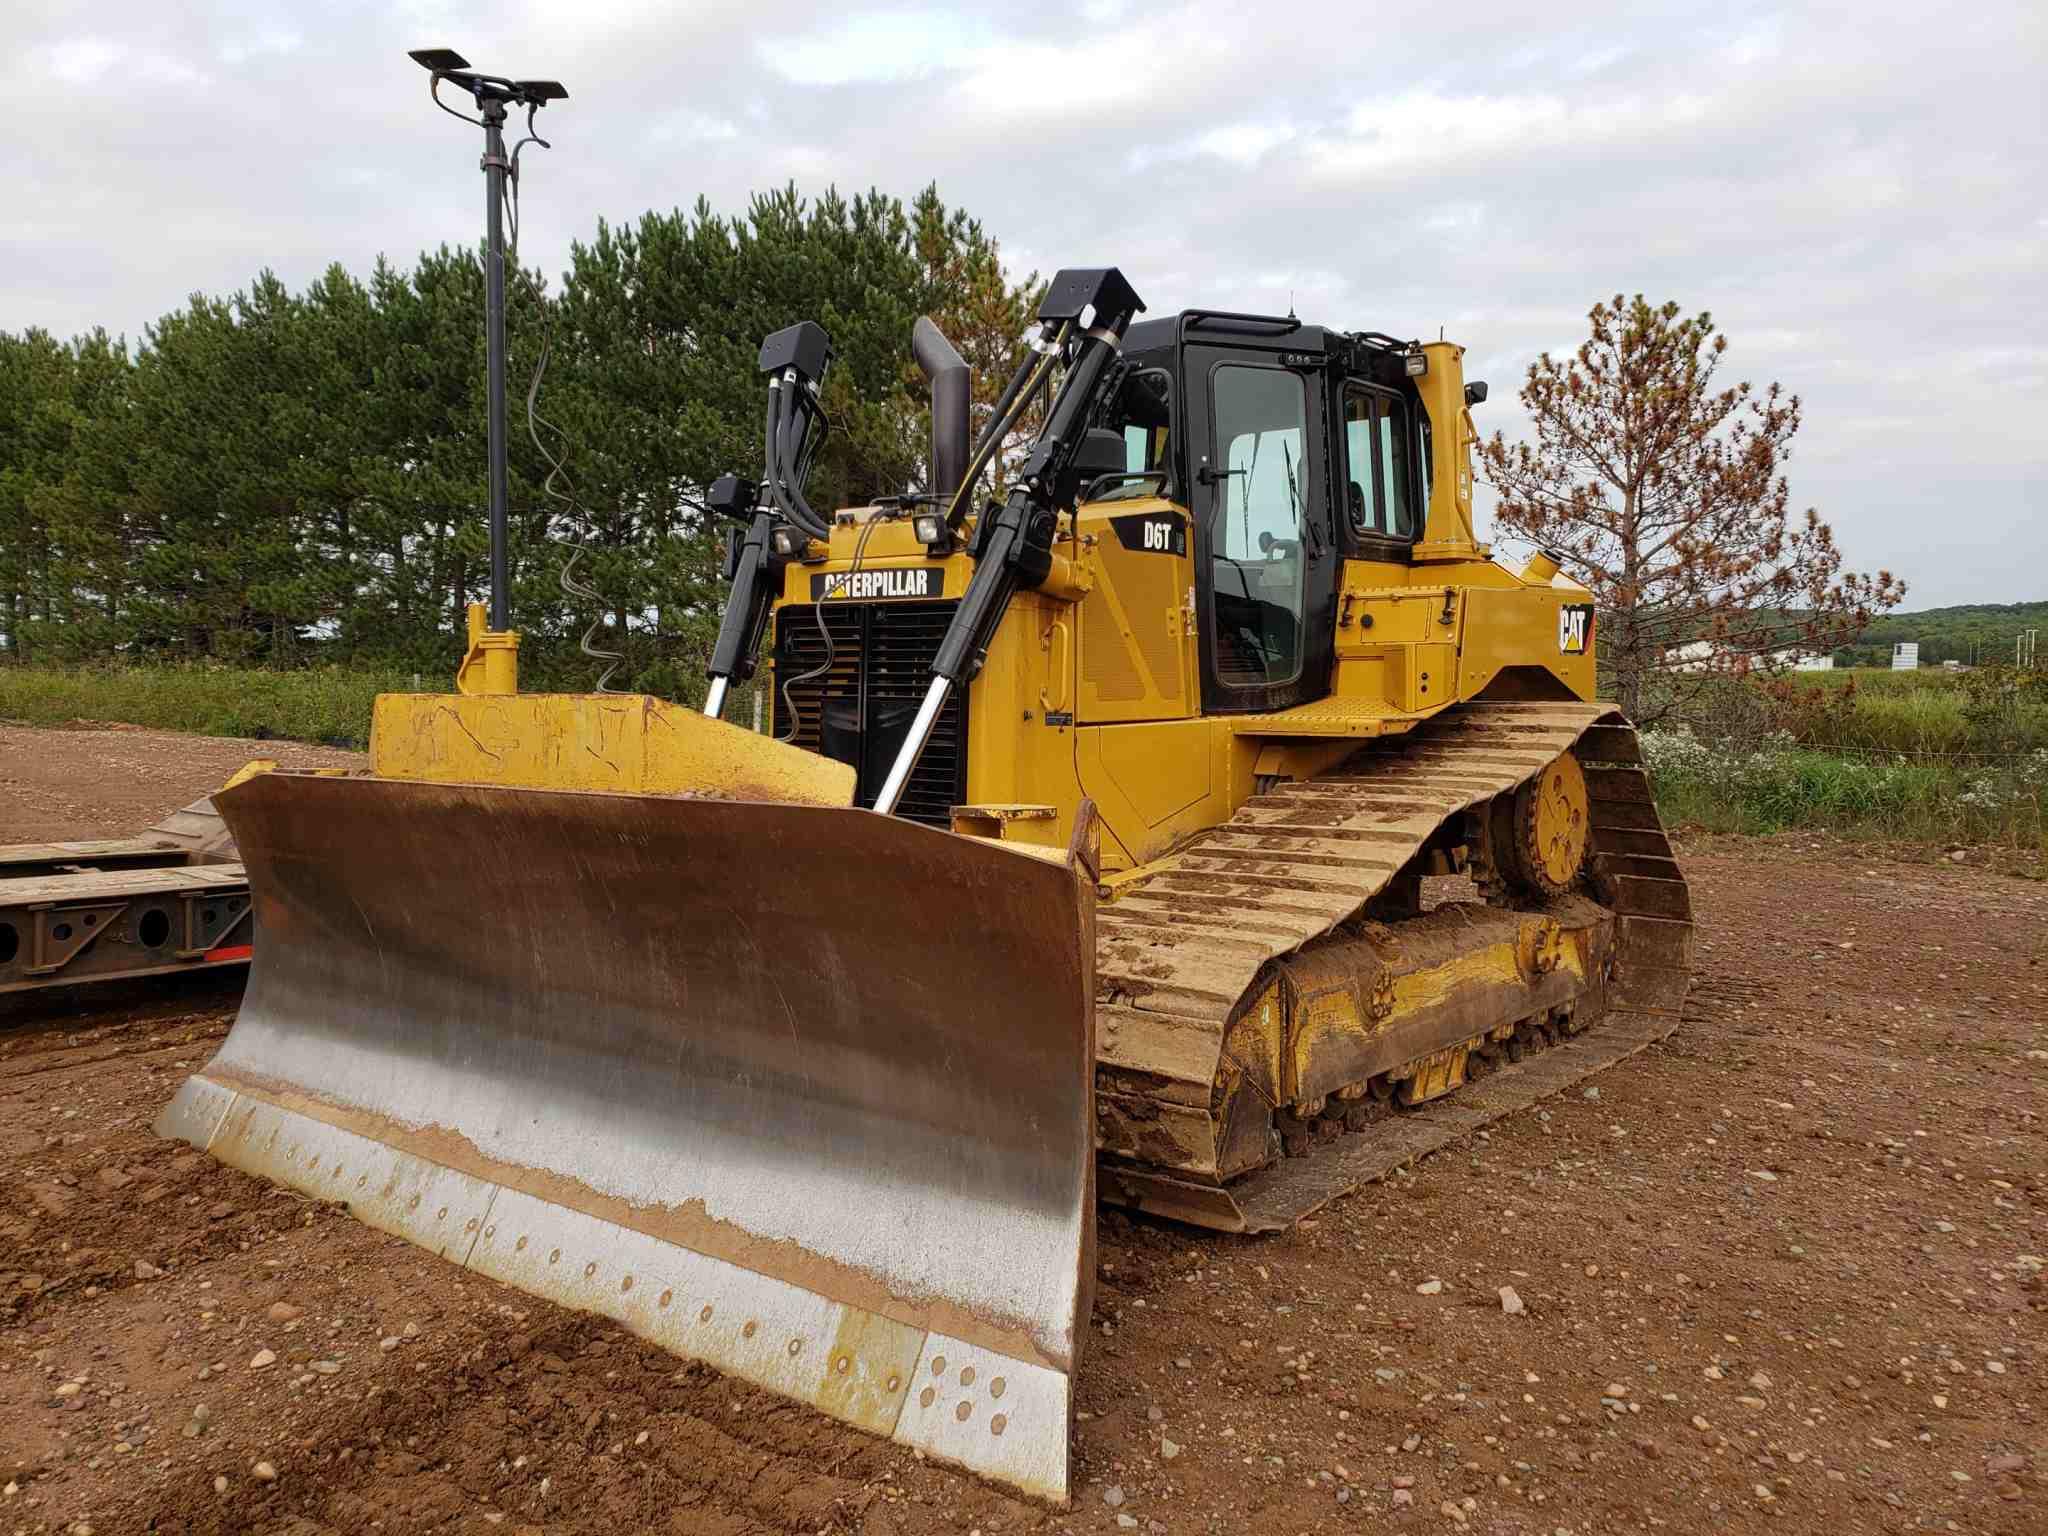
x: 1256, y: 518
x: 1143, y: 412
x: 1379, y: 450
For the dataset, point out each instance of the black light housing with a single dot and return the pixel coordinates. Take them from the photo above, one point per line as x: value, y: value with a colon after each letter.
x: 440, y: 60
x: 1475, y: 392
x: 804, y: 346
x: 1100, y: 293
x: 733, y: 496
x: 1416, y: 363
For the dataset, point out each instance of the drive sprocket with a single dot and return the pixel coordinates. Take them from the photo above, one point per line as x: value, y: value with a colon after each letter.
x: 1553, y: 827
x: 1535, y: 838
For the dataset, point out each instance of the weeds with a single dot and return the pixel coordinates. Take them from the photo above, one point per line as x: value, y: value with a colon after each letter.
x: 1779, y: 784
x: 326, y: 704
x: 1984, y: 712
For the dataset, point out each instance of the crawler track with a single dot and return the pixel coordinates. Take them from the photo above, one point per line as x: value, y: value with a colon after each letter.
x: 1212, y: 964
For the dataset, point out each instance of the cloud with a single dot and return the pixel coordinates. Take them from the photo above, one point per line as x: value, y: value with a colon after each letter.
x: 877, y: 47
x: 1856, y: 193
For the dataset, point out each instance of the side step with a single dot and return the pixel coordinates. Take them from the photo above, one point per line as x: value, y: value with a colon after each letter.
x: 1277, y: 1196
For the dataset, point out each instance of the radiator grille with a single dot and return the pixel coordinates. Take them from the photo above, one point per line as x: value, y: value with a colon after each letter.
x: 860, y: 709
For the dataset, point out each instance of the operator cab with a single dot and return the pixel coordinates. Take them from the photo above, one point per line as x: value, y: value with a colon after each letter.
x: 1292, y: 447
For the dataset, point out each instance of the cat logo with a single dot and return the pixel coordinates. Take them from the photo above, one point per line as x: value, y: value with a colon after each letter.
x: 1575, y: 628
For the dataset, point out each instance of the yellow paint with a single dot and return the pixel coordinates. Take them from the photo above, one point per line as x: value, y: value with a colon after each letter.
x: 491, y: 664
x: 1447, y: 533
x: 883, y: 542
x: 1034, y: 826
x: 1496, y: 964
x: 1299, y: 759
x: 1432, y: 1076
x: 1090, y: 689
x: 1155, y: 784
x: 622, y: 742
x: 1254, y: 1046
x: 1137, y: 637
x: 1563, y: 821
x: 1324, y: 1023
x: 868, y: 1370
x: 249, y: 770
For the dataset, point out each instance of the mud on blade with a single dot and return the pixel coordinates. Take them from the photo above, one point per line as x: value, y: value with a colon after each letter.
x: 801, y: 1092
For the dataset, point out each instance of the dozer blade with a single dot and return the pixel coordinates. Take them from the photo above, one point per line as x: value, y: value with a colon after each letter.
x: 801, y: 1092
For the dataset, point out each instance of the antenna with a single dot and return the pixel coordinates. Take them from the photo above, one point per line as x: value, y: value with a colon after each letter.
x: 492, y: 95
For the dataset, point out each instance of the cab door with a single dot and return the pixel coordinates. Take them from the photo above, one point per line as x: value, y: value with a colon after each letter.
x: 1266, y: 561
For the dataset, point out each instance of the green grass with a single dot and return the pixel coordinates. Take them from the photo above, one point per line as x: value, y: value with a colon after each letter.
x: 1883, y: 679
x: 1779, y: 788
x: 326, y: 704
x: 1990, y: 713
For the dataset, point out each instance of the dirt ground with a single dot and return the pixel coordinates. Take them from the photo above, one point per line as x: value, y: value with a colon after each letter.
x: 99, y: 781
x: 1783, y: 1273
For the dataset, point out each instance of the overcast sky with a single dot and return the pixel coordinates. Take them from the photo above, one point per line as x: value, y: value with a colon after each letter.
x: 1859, y: 193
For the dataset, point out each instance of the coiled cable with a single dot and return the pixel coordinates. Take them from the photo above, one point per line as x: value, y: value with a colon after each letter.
x: 557, y: 486
x: 789, y: 704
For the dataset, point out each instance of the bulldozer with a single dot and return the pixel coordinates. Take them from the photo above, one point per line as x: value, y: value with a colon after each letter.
x: 1206, y: 824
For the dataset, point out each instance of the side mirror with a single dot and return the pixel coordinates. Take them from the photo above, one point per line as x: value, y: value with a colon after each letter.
x: 1475, y: 392
x: 1100, y: 452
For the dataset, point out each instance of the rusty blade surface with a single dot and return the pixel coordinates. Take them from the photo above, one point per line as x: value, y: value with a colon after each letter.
x: 827, y: 1053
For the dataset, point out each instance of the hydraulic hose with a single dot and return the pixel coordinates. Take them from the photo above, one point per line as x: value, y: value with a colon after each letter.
x: 1008, y: 397
x: 788, y: 498
x: 1034, y: 370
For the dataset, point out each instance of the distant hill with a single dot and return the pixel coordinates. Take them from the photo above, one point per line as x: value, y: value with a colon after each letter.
x: 1968, y: 632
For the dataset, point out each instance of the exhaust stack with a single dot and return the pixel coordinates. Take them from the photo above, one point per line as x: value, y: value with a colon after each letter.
x: 951, y: 382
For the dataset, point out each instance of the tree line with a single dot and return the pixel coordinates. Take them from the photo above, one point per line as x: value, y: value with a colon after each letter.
x: 1972, y: 633
x: 279, y: 478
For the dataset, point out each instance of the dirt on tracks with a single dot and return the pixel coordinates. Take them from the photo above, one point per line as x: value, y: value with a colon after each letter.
x: 1783, y: 1273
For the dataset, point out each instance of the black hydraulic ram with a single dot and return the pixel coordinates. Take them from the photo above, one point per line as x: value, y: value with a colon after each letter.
x: 774, y: 519
x: 751, y: 565
x: 1012, y: 546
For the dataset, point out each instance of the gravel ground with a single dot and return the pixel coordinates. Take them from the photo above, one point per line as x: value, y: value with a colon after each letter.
x: 1781, y: 1273
x: 100, y: 781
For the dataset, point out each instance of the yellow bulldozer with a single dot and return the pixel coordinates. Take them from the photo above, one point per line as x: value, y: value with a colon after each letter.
x: 1207, y: 825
